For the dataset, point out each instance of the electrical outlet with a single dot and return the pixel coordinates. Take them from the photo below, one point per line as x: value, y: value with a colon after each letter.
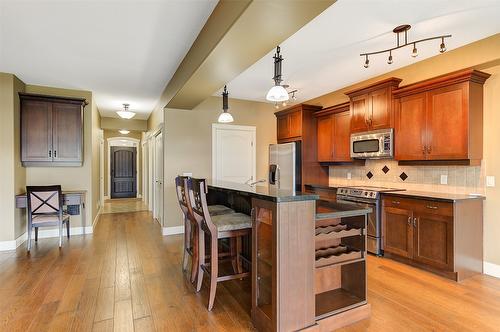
x: 349, y: 176
x: 490, y: 181
x: 444, y: 179
x: 187, y: 174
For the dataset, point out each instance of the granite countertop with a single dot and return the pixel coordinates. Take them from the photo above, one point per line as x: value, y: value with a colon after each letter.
x: 324, y: 186
x: 329, y: 209
x: 445, y: 197
x: 263, y: 192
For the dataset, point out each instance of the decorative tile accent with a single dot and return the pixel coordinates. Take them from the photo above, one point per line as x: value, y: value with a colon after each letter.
x: 369, y: 175
x: 403, y: 176
x: 385, y: 169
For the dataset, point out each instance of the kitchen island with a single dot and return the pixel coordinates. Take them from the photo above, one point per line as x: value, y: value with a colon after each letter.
x: 308, y: 257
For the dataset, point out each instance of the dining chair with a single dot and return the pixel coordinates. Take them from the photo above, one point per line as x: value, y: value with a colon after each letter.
x: 45, y: 209
x: 191, y: 226
x: 232, y: 226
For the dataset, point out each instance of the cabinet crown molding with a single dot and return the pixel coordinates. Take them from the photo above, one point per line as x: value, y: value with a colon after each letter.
x: 391, y: 81
x: 339, y: 108
x: 468, y: 75
x: 304, y: 107
x: 68, y: 100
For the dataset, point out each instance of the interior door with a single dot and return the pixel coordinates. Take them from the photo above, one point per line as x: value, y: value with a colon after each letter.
x: 123, y: 172
x: 233, y: 153
x: 410, y: 128
x: 158, y: 177
x: 447, y: 122
x: 36, y: 135
x: 67, y: 132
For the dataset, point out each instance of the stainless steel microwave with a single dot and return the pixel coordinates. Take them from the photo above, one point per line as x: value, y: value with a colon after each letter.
x: 376, y: 144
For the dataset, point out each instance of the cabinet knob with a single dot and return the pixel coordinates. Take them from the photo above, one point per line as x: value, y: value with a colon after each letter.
x: 50, y: 153
x: 55, y: 153
x: 409, y: 221
x: 432, y: 207
x: 396, y: 202
x: 429, y: 149
x: 414, y: 222
x: 424, y: 149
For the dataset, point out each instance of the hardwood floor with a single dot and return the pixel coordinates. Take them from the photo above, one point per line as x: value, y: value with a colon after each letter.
x: 120, y: 205
x: 128, y: 277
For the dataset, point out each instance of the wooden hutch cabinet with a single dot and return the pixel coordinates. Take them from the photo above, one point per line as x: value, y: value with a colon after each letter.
x: 441, y: 119
x: 371, y: 106
x: 333, y: 134
x: 51, y: 130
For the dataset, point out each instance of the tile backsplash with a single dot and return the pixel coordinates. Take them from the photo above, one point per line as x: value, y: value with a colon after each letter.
x: 387, y: 173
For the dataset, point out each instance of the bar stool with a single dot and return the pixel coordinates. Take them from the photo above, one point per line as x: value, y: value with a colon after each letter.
x: 226, y: 226
x: 191, y: 226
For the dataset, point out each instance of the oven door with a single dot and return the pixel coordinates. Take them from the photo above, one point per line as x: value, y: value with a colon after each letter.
x: 374, y: 227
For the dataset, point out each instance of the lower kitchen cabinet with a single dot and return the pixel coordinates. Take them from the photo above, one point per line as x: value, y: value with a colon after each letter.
x: 442, y: 237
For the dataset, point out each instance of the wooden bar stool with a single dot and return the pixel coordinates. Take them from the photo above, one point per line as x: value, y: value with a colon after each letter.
x: 226, y: 226
x: 191, y: 226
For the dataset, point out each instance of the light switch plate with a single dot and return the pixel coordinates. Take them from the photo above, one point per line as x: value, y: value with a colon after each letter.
x: 444, y: 179
x: 187, y: 174
x: 490, y: 181
x: 349, y: 176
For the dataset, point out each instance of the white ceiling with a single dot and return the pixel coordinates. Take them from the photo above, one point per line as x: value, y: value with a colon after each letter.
x: 123, y: 51
x: 324, y: 55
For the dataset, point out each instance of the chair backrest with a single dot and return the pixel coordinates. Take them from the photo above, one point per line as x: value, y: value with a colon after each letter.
x: 197, y: 189
x: 182, y: 193
x: 44, y: 200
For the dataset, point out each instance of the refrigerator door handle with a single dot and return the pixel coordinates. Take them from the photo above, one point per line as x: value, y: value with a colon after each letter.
x: 272, y: 174
x: 278, y: 176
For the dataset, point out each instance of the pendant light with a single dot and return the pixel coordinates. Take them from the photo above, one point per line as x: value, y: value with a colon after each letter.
x: 225, y: 116
x: 126, y: 114
x: 277, y: 93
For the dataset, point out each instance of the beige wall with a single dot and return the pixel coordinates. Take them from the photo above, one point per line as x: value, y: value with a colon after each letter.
x: 116, y: 124
x: 13, y: 180
x: 483, y: 55
x: 115, y: 133
x: 188, y: 143
x: 73, y: 178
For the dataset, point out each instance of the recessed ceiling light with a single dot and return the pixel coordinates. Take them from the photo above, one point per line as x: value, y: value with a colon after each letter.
x: 125, y: 114
x: 124, y: 131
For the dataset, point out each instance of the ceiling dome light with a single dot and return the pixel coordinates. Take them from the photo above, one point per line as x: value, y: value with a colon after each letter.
x: 225, y: 116
x: 442, y: 47
x: 126, y: 114
x: 277, y: 93
x: 414, y: 52
x: 124, y: 131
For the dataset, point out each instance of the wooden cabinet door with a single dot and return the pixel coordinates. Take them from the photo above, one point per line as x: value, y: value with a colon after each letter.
x: 342, y: 137
x: 379, y: 114
x: 433, y: 240
x: 359, y: 113
x: 67, y: 132
x: 325, y: 134
x: 36, y: 131
x: 410, y: 128
x: 295, y: 123
x: 397, y: 231
x: 448, y: 123
x: 283, y: 127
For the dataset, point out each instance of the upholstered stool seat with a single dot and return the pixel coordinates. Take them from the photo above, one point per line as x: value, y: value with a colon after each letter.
x: 216, y: 210
x: 47, y: 218
x: 232, y: 222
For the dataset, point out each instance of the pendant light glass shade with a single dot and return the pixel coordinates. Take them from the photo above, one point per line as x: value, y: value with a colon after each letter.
x: 225, y: 117
x: 277, y: 93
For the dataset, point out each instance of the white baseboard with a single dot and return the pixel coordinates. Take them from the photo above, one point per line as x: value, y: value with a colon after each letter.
x: 139, y: 195
x: 173, y: 230
x: 43, y: 234
x: 491, y: 269
x: 96, y: 219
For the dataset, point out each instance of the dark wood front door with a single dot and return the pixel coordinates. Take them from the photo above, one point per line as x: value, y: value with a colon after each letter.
x: 123, y: 172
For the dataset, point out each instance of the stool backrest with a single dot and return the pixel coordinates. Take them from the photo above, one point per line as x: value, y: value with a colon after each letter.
x: 180, y: 186
x: 198, y: 198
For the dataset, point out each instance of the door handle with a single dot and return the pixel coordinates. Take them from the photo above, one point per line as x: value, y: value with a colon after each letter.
x: 429, y: 149
x: 55, y: 153
x: 432, y: 207
x: 50, y: 153
x: 415, y: 222
x: 409, y: 221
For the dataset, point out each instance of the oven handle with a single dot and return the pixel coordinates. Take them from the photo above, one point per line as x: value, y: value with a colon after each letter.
x: 355, y: 200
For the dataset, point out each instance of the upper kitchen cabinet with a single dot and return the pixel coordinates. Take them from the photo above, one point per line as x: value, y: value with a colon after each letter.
x: 292, y: 123
x: 441, y: 120
x: 51, y: 130
x: 371, y: 106
x: 333, y: 134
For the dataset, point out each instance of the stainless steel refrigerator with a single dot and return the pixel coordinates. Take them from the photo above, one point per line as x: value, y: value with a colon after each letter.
x: 285, y: 166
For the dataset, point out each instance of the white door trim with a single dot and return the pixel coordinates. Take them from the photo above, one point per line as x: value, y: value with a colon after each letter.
x: 123, y: 141
x: 101, y: 172
x: 218, y: 126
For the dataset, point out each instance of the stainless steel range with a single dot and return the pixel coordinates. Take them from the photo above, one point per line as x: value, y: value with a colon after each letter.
x: 368, y: 197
